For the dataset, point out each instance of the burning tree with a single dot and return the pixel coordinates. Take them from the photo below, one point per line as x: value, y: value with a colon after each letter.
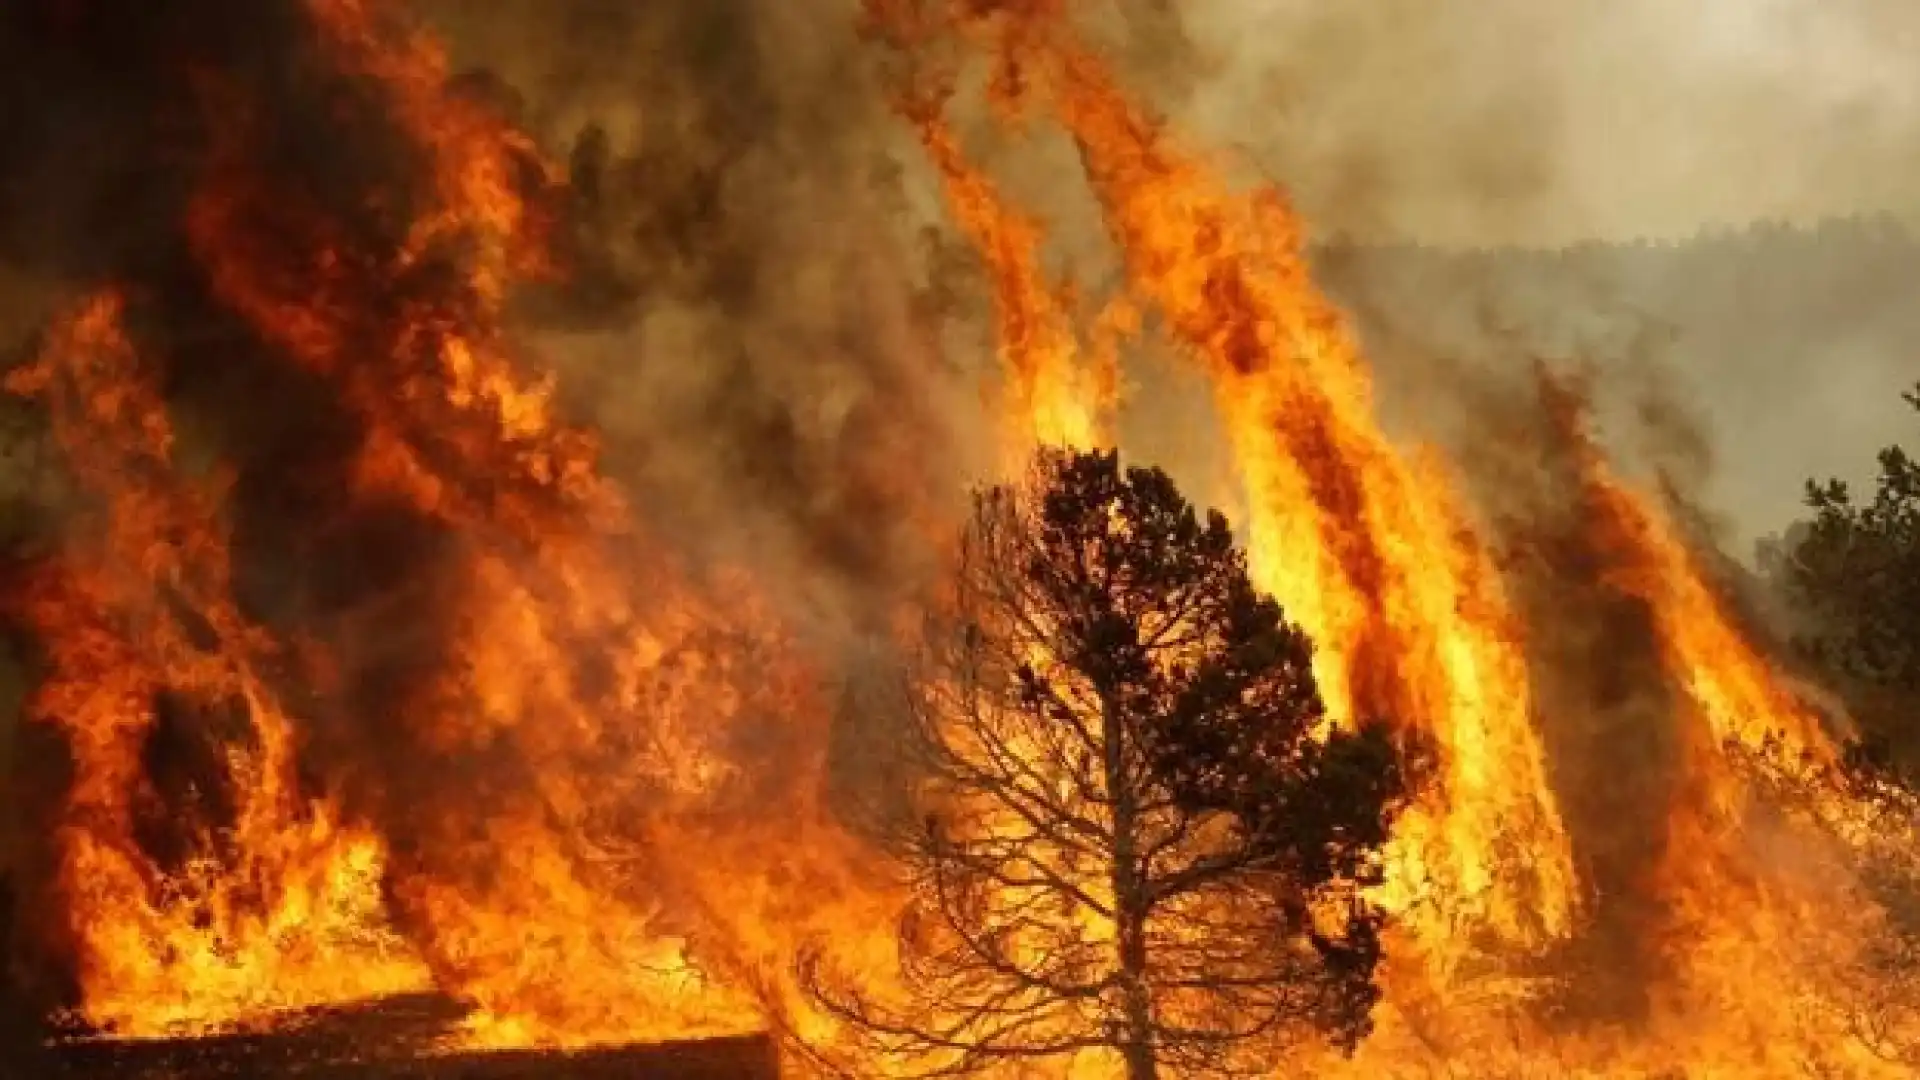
x: 1132, y: 831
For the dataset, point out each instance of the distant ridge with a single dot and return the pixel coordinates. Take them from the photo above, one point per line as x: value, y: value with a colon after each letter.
x: 1879, y: 227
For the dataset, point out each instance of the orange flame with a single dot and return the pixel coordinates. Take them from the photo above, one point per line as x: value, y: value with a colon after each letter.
x: 630, y: 912
x: 1065, y: 399
x: 276, y: 908
x: 1370, y: 553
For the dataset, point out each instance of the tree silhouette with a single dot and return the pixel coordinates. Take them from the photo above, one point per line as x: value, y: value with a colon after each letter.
x: 1132, y: 832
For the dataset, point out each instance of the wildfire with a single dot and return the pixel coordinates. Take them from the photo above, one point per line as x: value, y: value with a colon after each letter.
x: 268, y: 901
x: 500, y: 737
x: 1369, y: 550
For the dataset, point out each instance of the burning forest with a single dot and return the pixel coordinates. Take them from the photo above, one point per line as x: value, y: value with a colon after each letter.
x: 476, y: 543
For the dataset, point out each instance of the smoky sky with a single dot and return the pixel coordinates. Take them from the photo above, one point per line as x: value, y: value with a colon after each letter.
x: 1742, y: 363
x: 1661, y: 191
x: 1708, y: 204
x: 757, y: 270
x: 1472, y: 122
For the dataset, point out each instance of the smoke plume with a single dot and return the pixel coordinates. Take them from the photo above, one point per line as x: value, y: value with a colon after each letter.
x: 1469, y: 123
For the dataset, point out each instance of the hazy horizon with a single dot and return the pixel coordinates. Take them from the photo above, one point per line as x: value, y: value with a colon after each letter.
x: 1466, y: 122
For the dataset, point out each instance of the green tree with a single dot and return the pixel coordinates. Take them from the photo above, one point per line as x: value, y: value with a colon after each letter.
x: 1852, y: 576
x: 1130, y: 831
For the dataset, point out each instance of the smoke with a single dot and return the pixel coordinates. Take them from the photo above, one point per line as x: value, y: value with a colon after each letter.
x: 1736, y: 362
x: 752, y: 319
x: 1740, y: 364
x: 755, y: 317
x: 1472, y: 123
x: 1475, y: 125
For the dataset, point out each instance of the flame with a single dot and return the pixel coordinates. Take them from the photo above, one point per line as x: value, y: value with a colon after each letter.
x: 1065, y: 398
x: 581, y: 782
x: 276, y: 907
x: 637, y: 906
x: 1369, y: 551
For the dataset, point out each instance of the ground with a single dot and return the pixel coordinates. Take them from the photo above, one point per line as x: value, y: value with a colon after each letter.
x: 383, y: 1042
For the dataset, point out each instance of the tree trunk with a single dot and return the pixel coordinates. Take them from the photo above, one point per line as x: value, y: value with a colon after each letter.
x: 1129, y: 906
x: 1137, y: 1048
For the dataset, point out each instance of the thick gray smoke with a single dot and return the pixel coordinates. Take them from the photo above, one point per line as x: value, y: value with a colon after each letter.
x: 751, y: 317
